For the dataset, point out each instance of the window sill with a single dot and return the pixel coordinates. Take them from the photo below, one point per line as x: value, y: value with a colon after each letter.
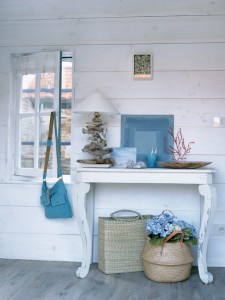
x: 31, y: 180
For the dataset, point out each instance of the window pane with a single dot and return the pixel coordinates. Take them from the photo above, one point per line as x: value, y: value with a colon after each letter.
x: 66, y: 95
x: 27, y: 142
x: 66, y: 100
x: 65, y: 144
x: 43, y: 135
x: 47, y: 92
x: 28, y: 93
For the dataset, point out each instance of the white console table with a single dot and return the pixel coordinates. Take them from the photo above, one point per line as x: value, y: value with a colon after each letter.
x: 85, y: 177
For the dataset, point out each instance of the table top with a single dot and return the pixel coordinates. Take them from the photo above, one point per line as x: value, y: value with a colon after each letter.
x: 148, y: 175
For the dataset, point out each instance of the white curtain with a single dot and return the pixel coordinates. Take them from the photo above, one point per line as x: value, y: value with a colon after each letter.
x: 43, y: 62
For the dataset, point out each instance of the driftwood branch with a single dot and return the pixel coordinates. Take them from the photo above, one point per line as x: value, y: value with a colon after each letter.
x: 97, y: 152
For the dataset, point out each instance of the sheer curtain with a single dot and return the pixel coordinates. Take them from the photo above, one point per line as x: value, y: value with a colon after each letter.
x: 37, y: 63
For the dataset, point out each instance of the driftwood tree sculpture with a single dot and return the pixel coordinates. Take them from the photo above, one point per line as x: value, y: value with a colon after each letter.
x: 97, y: 141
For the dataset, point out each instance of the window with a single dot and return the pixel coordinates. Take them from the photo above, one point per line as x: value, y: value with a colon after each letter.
x: 43, y: 84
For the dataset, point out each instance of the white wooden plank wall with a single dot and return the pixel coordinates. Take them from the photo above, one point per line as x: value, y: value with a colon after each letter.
x: 187, y: 41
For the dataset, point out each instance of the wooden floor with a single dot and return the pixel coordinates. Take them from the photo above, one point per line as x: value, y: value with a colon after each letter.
x: 30, y: 280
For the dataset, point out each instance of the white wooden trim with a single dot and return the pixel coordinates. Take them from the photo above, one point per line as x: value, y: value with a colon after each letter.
x: 155, y: 175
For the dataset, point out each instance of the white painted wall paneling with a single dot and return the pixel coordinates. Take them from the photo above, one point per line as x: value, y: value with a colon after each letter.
x: 25, y: 233
x: 25, y: 193
x: 40, y: 247
x: 171, y: 84
x: 166, y: 57
x: 23, y: 10
x: 188, y: 112
x: 114, y: 31
x: 119, y: 58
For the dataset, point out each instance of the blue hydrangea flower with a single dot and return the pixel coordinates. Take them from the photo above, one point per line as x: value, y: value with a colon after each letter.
x: 163, y: 225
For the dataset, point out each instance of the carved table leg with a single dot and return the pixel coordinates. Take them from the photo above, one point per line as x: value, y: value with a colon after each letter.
x: 209, y: 204
x: 82, y: 190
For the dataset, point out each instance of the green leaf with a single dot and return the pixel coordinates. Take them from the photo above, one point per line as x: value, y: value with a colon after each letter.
x: 191, y: 241
x: 187, y: 232
x: 176, y: 237
x: 157, y: 241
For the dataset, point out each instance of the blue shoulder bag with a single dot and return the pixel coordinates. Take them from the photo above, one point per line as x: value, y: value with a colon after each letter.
x: 55, y: 199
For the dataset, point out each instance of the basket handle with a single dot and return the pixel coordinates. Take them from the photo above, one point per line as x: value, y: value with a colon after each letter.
x: 137, y: 217
x: 173, y: 233
x: 164, y: 211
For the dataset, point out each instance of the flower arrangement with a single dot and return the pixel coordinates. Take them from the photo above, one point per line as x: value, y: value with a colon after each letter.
x: 161, y: 226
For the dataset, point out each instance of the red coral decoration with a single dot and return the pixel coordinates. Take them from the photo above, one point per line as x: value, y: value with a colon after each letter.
x: 179, y: 150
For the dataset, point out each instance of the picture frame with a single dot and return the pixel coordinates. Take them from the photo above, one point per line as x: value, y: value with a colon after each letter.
x: 124, y: 156
x: 143, y: 66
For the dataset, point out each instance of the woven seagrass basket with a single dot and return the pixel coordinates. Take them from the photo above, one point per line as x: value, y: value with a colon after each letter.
x: 121, y: 242
x: 169, y: 263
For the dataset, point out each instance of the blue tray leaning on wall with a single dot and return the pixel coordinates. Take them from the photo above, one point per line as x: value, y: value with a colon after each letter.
x: 145, y: 132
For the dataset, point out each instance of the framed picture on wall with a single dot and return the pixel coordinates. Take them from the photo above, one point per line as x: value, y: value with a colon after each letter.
x: 143, y: 66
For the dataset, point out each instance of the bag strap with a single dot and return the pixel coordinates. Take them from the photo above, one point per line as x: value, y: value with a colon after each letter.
x: 52, y: 123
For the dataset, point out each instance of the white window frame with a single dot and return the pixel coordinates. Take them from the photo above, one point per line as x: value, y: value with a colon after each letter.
x: 36, y: 172
x: 19, y: 172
